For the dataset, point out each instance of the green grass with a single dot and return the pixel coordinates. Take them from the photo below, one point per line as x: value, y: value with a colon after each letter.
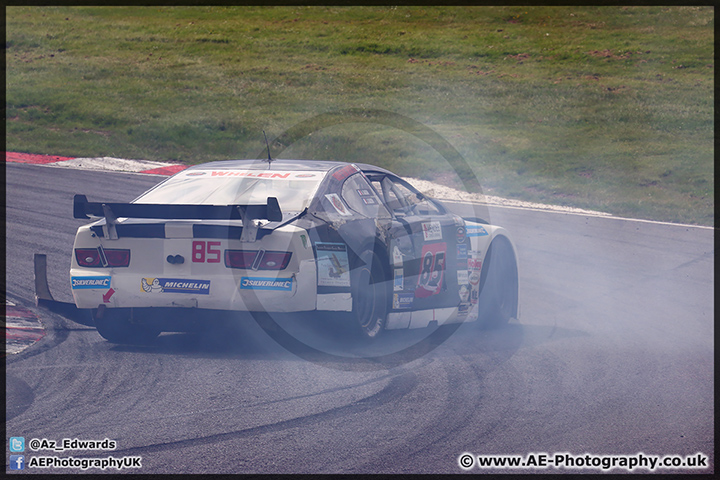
x: 608, y: 108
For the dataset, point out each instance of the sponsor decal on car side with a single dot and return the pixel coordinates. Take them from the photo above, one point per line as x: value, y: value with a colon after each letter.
x: 474, y: 265
x: 262, y: 283
x: 333, y: 265
x: 476, y: 231
x: 398, y: 280
x: 462, y: 252
x: 175, y: 285
x: 474, y: 268
x: 432, y: 231
x: 397, y: 256
x: 432, y: 270
x: 336, y: 202
x: 402, y: 300
x: 464, y: 293
x: 100, y: 282
x: 460, y: 234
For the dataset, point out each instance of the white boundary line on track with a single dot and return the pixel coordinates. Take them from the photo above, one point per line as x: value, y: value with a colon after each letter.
x: 580, y: 214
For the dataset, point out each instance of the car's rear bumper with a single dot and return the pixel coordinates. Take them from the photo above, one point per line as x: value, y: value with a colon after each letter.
x: 240, y: 290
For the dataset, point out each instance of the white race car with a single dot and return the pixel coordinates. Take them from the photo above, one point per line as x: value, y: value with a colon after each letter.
x: 287, y: 236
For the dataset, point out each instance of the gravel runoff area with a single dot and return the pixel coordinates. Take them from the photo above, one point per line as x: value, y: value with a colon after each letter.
x: 442, y: 192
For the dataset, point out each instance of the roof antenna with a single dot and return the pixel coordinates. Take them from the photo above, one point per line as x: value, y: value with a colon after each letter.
x: 269, y: 159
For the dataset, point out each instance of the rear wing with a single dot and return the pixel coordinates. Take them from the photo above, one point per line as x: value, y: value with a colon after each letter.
x: 112, y: 211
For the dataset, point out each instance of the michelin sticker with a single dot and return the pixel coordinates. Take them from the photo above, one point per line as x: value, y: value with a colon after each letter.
x: 262, y: 283
x: 432, y: 231
x: 79, y: 283
x: 333, y: 265
x: 175, y: 285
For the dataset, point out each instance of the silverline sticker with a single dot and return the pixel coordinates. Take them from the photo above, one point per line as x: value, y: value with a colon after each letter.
x: 261, y: 283
x: 90, y: 282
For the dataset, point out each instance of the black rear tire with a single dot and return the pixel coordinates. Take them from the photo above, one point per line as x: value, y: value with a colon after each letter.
x: 499, y: 296
x: 369, y: 296
x: 114, y: 325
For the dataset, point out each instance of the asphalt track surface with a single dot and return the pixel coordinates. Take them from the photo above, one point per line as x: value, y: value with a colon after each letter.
x: 613, y: 354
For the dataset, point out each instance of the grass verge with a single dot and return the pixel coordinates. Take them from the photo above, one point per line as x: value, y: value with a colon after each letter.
x: 607, y: 108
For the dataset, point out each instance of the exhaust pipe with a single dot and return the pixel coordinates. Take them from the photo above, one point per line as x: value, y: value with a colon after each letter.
x: 44, y: 299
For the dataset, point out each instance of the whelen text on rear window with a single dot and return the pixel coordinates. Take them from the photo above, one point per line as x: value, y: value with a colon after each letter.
x: 293, y: 189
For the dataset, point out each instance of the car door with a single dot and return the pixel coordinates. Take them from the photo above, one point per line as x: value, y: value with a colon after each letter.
x: 424, y: 247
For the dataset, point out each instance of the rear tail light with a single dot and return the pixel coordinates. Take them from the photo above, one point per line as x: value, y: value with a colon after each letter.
x: 240, y: 258
x: 117, y: 257
x: 88, y: 257
x: 102, y: 257
x: 257, y: 260
x: 274, y: 261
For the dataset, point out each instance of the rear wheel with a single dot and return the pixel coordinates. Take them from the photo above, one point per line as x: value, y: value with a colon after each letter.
x: 115, y: 326
x: 369, y: 294
x: 499, y: 296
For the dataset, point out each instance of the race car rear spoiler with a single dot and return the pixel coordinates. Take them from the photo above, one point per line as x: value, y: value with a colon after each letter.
x: 112, y: 211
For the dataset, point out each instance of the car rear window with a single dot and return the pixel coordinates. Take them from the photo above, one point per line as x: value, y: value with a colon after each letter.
x: 293, y: 189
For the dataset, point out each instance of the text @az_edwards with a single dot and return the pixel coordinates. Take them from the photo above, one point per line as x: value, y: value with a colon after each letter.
x: 19, y: 461
x: 540, y: 461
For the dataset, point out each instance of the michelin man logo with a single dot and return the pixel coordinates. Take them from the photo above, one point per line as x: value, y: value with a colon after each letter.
x: 151, y: 285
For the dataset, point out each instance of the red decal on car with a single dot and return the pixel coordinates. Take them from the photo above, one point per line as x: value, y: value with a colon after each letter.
x: 432, y: 270
x: 345, y: 172
x: 107, y: 295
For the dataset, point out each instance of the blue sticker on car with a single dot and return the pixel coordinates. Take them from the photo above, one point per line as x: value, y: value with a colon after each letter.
x: 261, y: 283
x: 398, y: 284
x: 79, y: 283
x: 402, y: 301
x: 476, y: 231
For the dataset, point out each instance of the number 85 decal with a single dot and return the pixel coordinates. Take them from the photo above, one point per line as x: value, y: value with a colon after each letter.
x: 431, y: 270
x: 206, y: 252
